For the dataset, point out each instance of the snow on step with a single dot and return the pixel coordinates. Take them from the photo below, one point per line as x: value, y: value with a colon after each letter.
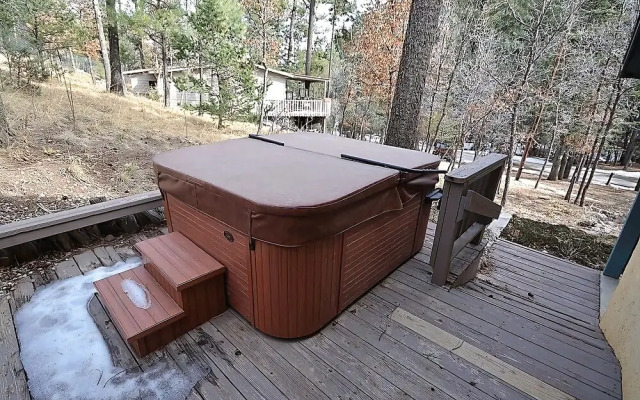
x: 138, y: 294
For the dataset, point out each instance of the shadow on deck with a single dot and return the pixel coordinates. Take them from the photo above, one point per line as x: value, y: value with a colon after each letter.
x: 527, y: 327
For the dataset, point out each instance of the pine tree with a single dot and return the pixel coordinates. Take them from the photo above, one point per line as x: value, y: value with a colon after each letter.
x: 217, y: 37
x: 421, y: 35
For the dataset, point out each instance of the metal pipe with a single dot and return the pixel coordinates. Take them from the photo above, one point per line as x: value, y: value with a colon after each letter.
x: 396, y: 167
x: 264, y: 139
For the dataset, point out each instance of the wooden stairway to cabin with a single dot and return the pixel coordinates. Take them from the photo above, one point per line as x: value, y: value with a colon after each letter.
x: 178, y: 288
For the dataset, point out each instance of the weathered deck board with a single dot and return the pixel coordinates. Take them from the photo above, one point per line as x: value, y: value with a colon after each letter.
x: 441, y: 382
x: 512, y: 322
x: 547, y: 262
x: 103, y: 256
x: 402, y: 376
x: 250, y: 343
x: 87, y: 261
x: 21, y: 293
x: 574, y: 369
x: 524, y: 362
x: 314, y: 368
x: 233, y: 364
x: 13, y: 380
x: 375, y: 312
x: 44, y: 277
x: 552, y: 337
x: 67, y: 269
x: 187, y: 354
x: 509, y: 264
x: 121, y: 354
x: 551, y: 322
x: 368, y: 380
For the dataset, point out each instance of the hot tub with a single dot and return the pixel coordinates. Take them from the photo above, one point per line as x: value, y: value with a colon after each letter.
x: 302, y: 231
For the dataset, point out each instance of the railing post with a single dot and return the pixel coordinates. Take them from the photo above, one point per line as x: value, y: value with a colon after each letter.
x: 609, y: 180
x: 447, y: 233
x: 466, y: 208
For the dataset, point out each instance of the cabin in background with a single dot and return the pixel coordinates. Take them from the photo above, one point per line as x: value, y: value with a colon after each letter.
x: 287, y: 101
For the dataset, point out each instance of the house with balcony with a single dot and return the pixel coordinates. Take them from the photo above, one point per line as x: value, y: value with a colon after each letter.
x: 293, y: 100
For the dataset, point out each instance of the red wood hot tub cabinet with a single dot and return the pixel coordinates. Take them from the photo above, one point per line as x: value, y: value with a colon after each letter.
x: 302, y: 232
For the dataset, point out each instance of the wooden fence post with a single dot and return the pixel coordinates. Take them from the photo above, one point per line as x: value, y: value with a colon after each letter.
x: 609, y: 180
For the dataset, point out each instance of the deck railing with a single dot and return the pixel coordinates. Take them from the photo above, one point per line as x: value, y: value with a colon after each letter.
x: 466, y: 208
x: 19, y: 232
x: 298, y: 108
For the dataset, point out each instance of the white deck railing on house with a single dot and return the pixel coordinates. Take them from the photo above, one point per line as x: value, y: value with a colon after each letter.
x: 298, y: 108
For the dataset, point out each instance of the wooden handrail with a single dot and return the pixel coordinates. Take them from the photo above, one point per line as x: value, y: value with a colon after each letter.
x: 27, y: 230
x: 476, y: 169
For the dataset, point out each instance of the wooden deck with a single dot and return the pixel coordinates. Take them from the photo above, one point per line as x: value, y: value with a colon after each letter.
x: 527, y: 327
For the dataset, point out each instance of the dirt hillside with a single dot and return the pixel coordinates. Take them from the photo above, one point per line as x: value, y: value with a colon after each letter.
x: 52, y: 165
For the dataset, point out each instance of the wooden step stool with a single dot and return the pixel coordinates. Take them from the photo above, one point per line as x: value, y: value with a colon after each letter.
x: 185, y: 286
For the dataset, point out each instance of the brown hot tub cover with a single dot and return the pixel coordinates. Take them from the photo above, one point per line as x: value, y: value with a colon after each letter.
x: 293, y: 194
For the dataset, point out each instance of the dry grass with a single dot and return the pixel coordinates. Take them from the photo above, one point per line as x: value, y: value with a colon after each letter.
x: 110, y: 151
x: 604, y: 212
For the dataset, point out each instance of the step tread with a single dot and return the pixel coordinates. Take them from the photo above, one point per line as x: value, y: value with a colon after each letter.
x: 179, y: 260
x: 133, y: 322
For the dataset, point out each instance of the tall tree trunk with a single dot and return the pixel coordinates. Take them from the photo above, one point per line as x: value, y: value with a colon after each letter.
x: 220, y: 109
x: 200, y: 77
x: 456, y: 64
x: 567, y: 163
x: 590, y: 161
x: 433, y: 96
x: 523, y: 157
x: 333, y: 29
x: 630, y: 148
x: 518, y: 97
x: 292, y: 19
x: 553, y: 140
x: 534, y: 130
x: 364, y: 117
x: 5, y: 130
x: 344, y: 110
x: 117, y: 84
x: 592, y: 113
x: 421, y: 34
x: 512, y: 140
x: 587, y: 165
x: 103, y: 44
x: 138, y: 41
x: 140, y: 53
x: 556, y: 163
x: 459, y: 139
x: 93, y: 78
x: 532, y: 133
x: 607, y: 128
x: 575, y: 176
x: 165, y: 75
x: 265, y: 75
x: 72, y: 59
x: 307, y: 62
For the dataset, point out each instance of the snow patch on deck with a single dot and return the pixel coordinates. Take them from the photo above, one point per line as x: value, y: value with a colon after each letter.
x: 65, y: 356
x: 138, y: 294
